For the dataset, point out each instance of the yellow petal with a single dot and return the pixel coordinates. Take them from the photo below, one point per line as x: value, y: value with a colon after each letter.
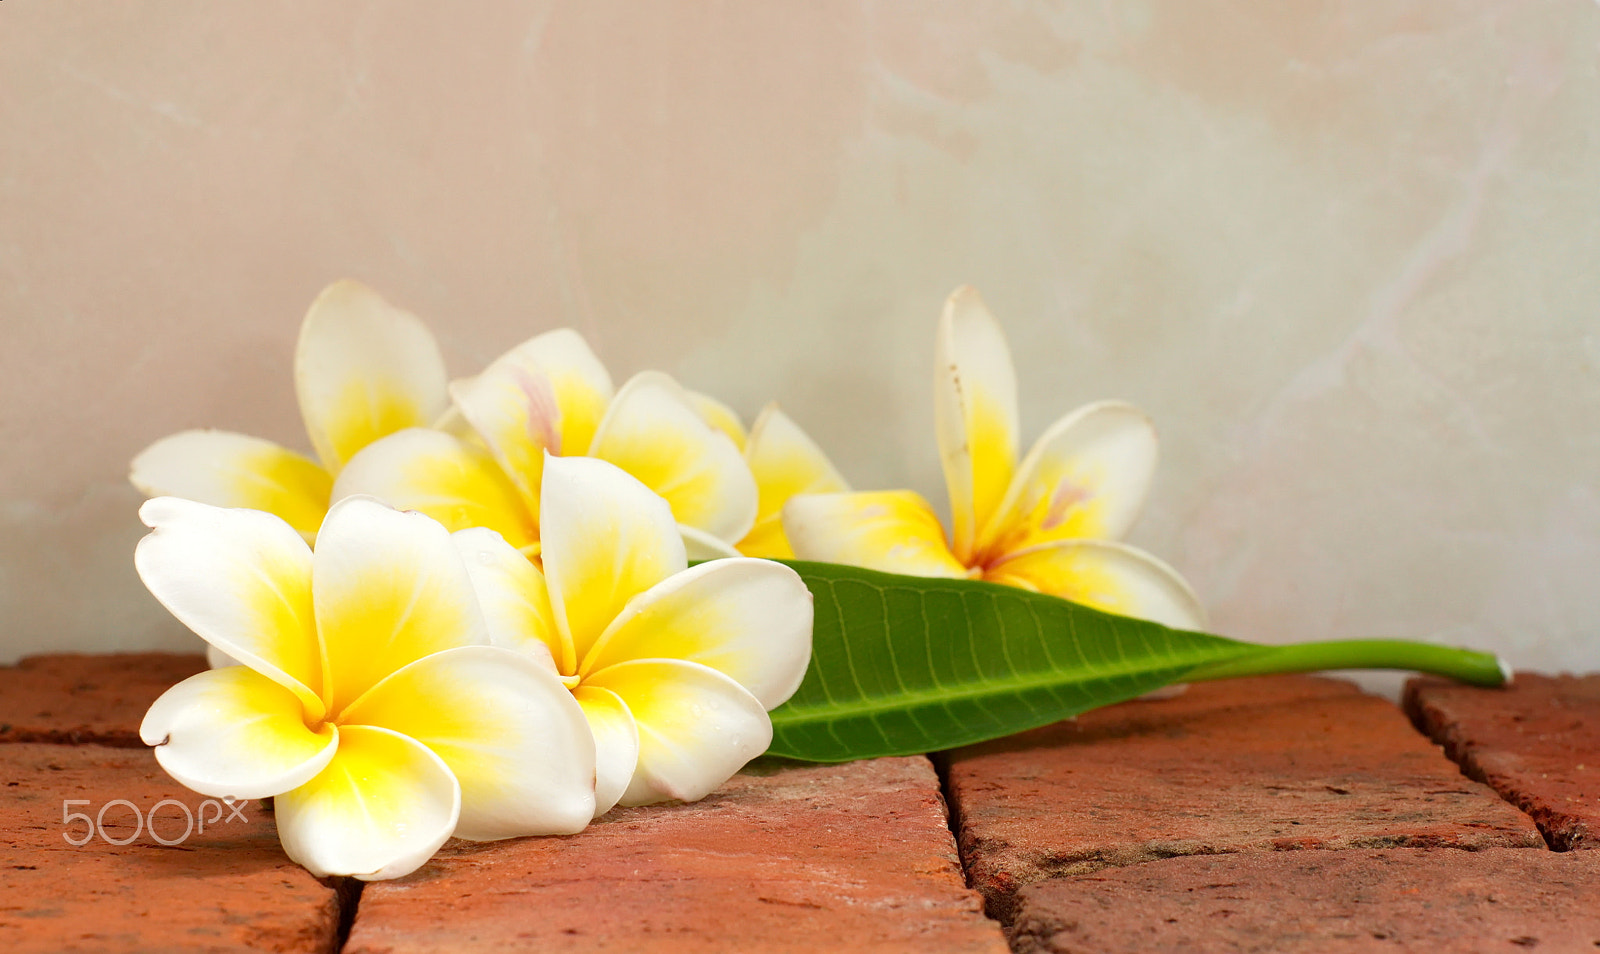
x: 651, y: 432
x: 235, y: 732
x: 451, y: 481
x: 748, y: 619
x: 975, y: 410
x: 718, y: 415
x: 1109, y: 576
x: 362, y: 369
x: 232, y: 470
x: 514, y: 599
x: 1085, y: 478
x: 785, y: 461
x: 616, y: 744
x: 508, y: 729
x: 766, y: 540
x: 607, y: 539
x: 241, y: 579
x: 389, y: 588
x: 546, y: 394
x: 696, y: 727
x: 380, y: 809
x: 890, y: 530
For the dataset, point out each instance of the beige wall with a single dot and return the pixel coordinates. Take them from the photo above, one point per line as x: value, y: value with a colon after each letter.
x: 1347, y: 254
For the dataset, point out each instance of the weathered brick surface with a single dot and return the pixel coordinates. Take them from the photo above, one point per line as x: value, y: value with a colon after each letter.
x: 228, y: 889
x: 1427, y: 900
x: 850, y: 857
x: 1263, y: 764
x: 1536, y: 742
x: 74, y: 698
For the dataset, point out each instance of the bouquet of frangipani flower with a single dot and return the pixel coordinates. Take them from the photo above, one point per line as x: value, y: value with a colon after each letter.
x: 473, y: 614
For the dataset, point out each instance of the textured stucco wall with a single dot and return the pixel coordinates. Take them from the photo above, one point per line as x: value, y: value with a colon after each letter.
x: 1346, y: 253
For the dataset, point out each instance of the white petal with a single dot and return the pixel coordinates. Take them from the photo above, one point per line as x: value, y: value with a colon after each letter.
x: 516, y: 605
x: 975, y: 410
x: 785, y: 461
x: 233, y: 470
x: 1085, y: 478
x: 241, y: 579
x: 718, y: 415
x: 699, y: 545
x: 1110, y: 576
x: 607, y: 539
x: 546, y: 394
x: 748, y: 619
x: 894, y: 531
x: 235, y: 732
x: 508, y: 729
x: 696, y: 727
x: 389, y: 589
x: 616, y: 744
x: 653, y: 433
x: 446, y: 478
x: 379, y: 810
x: 362, y: 369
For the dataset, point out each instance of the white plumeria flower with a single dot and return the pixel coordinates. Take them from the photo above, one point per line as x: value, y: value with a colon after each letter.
x: 675, y: 667
x: 1048, y: 525
x: 369, y: 701
x: 551, y: 395
x: 362, y: 369
x: 784, y: 461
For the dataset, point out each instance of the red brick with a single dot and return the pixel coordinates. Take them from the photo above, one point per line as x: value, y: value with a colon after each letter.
x: 1404, y: 899
x: 230, y: 888
x: 1265, y: 764
x: 1536, y: 742
x: 789, y: 858
x: 98, y: 699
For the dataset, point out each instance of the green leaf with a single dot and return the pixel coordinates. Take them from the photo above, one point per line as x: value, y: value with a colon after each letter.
x: 902, y: 664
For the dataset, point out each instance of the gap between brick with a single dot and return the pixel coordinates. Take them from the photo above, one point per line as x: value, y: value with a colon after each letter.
x: 952, y: 821
x: 348, y: 892
x: 1458, y: 757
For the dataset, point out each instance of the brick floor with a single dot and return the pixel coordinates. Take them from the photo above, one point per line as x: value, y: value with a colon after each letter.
x: 1536, y: 742
x: 850, y: 857
x: 1434, y: 900
x: 79, y: 698
x: 229, y: 888
x: 1266, y: 764
x: 1151, y: 826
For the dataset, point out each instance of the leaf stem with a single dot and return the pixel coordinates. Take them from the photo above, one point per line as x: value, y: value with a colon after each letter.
x: 1465, y: 665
